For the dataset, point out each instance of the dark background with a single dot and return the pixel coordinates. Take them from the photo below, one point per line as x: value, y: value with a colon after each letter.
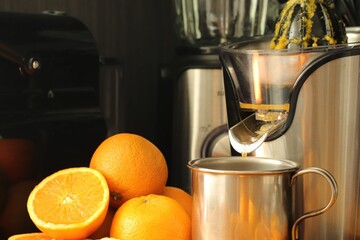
x: 140, y: 34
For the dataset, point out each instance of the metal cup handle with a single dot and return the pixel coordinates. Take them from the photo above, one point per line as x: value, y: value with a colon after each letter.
x: 334, y: 189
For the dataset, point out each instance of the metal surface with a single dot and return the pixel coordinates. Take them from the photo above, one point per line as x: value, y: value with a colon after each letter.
x: 323, y: 130
x: 244, y: 198
x: 353, y: 34
x: 200, y: 103
x: 199, y: 112
x: 325, y: 133
x: 216, y: 143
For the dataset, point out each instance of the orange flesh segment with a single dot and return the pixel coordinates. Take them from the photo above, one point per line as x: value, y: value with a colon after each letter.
x: 68, y: 200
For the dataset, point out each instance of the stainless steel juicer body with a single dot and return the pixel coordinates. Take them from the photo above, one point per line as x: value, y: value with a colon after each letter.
x: 200, y: 122
x: 323, y: 130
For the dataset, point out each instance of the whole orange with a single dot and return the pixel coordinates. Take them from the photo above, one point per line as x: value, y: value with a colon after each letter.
x: 17, y: 156
x: 104, y: 230
x: 184, y: 198
x: 132, y: 165
x: 14, y: 218
x: 152, y: 217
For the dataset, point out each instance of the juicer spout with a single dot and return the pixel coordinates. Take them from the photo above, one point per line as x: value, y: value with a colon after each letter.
x: 250, y: 133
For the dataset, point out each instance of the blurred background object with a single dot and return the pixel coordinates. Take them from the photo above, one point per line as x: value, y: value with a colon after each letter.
x: 349, y: 10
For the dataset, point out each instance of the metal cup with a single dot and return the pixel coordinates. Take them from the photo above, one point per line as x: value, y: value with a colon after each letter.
x: 249, y: 198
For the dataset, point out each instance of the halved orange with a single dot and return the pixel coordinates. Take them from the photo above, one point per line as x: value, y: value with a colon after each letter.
x: 31, y: 236
x: 69, y: 204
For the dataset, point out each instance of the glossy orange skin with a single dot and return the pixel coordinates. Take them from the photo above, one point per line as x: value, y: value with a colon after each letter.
x: 132, y: 165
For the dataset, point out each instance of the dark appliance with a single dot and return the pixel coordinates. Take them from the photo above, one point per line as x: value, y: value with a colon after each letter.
x: 49, y: 93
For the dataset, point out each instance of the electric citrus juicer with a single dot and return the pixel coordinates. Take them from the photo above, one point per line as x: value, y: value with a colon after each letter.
x: 196, y: 102
x: 301, y: 104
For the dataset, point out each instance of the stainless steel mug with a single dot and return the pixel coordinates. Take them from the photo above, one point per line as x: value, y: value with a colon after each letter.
x: 249, y: 198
